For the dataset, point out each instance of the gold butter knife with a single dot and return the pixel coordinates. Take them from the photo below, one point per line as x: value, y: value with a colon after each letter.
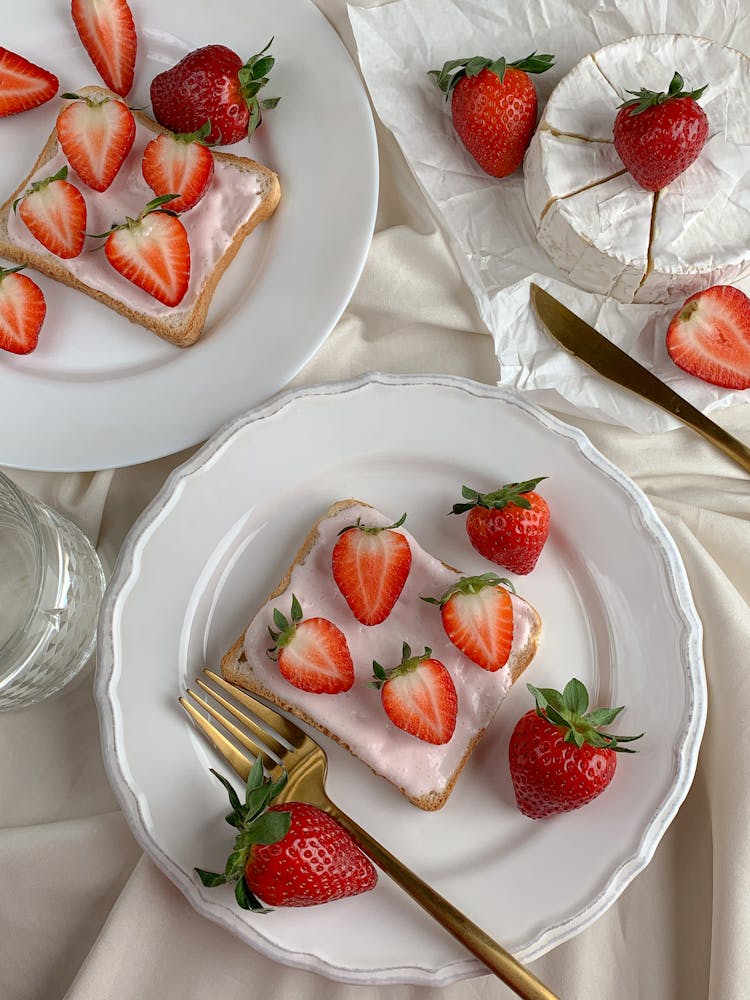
x: 586, y: 343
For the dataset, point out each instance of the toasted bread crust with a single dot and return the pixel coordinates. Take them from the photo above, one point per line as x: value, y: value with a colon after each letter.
x: 236, y: 669
x: 183, y: 327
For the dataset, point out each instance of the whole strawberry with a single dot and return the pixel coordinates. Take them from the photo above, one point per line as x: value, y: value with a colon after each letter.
x: 510, y: 526
x: 709, y: 337
x: 658, y: 135
x: 290, y: 854
x: 212, y: 84
x: 559, y: 758
x: 494, y: 106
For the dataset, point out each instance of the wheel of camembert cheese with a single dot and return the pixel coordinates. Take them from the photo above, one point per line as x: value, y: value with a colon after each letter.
x: 600, y: 227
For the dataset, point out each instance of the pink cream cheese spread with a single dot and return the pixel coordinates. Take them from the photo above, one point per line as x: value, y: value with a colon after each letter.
x: 231, y: 199
x: 356, y: 716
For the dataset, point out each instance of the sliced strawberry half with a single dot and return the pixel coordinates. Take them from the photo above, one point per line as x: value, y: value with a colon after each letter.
x: 477, y: 615
x: 419, y: 696
x: 22, y: 311
x: 96, y: 134
x: 152, y: 251
x: 54, y: 212
x: 370, y: 566
x: 312, y: 653
x: 23, y: 84
x: 179, y: 163
x: 710, y: 337
x: 107, y: 30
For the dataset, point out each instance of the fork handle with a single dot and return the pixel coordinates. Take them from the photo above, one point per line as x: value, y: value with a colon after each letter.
x: 480, y: 944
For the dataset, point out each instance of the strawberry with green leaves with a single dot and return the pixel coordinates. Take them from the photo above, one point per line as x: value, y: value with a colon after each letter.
x: 287, y: 854
x: 477, y: 615
x: 370, y: 566
x: 213, y: 84
x: 312, y: 653
x: 152, y: 251
x: 179, y: 163
x: 559, y: 757
x: 508, y: 526
x: 494, y: 107
x: 659, y: 134
x: 54, y: 212
x: 418, y: 696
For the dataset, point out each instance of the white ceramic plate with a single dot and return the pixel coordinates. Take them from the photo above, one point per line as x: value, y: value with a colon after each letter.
x: 99, y: 391
x: 616, y: 611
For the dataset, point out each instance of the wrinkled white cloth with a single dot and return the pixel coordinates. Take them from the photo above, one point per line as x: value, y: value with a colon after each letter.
x: 84, y: 915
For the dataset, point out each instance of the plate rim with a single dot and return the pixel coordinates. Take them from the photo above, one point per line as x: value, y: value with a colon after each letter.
x: 94, y: 453
x: 687, y: 742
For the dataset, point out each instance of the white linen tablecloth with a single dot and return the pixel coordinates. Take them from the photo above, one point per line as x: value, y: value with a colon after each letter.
x: 83, y: 915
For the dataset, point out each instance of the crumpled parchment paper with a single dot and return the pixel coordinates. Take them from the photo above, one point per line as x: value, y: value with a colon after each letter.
x: 487, y: 220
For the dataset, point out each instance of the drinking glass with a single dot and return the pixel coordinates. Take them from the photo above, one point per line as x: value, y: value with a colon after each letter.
x: 51, y: 586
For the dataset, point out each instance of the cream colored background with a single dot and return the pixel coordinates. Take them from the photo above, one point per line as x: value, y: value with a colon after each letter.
x: 83, y: 915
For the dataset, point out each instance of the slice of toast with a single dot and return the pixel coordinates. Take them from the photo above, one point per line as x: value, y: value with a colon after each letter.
x: 423, y: 772
x: 216, y: 227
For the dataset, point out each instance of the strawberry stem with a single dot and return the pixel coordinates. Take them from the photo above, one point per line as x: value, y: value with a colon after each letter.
x: 406, y: 666
x: 447, y: 79
x: 255, y: 826
x: 252, y: 78
x: 512, y: 493
x: 470, y: 585
x: 643, y: 99
x: 568, y: 711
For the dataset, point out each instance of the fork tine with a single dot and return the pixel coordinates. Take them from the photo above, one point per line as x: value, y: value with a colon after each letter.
x: 255, y: 748
x: 268, y: 739
x: 281, y: 725
x: 228, y: 750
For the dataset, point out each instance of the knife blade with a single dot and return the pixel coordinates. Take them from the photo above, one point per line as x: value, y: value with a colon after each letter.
x: 586, y: 343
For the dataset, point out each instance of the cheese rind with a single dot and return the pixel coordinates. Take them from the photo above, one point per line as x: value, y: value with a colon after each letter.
x: 606, y: 238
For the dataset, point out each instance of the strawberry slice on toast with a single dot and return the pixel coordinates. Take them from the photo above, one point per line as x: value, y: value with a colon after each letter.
x: 370, y: 566
x: 418, y: 696
x: 312, y: 653
x: 54, y: 211
x: 179, y: 163
x: 23, y: 84
x: 22, y: 311
x: 107, y: 30
x: 152, y: 251
x: 477, y: 615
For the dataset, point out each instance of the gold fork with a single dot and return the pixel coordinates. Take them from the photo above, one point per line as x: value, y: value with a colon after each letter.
x: 306, y: 765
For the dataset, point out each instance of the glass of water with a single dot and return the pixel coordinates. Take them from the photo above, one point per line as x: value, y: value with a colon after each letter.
x: 51, y: 586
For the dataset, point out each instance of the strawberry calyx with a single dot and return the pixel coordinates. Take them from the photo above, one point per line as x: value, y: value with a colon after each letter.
x: 372, y: 529
x: 253, y: 76
x: 643, y: 99
x: 455, y: 70
x: 470, y: 585
x: 255, y: 826
x: 93, y: 100
x: 200, y: 135
x: 5, y: 271
x: 567, y: 710
x: 155, y: 205
x: 511, y: 493
x: 61, y: 175
x: 286, y: 629
x: 408, y: 664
